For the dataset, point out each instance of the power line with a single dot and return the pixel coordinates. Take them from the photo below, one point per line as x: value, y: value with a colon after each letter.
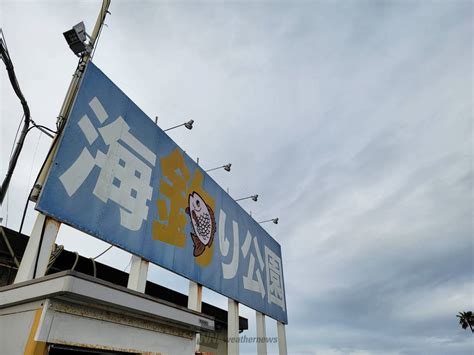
x: 46, y: 130
x: 16, y: 136
x: 103, y: 14
x: 34, y: 158
x: 11, y: 153
x: 105, y: 251
x: 4, y: 54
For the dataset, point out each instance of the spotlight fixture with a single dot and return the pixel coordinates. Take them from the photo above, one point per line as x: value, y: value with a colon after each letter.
x: 188, y: 125
x: 76, y: 39
x: 226, y: 167
x: 253, y: 197
x: 274, y: 220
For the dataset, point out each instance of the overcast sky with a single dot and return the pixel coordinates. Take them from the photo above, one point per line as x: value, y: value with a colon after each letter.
x: 352, y: 121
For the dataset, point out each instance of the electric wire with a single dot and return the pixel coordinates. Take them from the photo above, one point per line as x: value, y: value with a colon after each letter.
x: 34, y: 158
x: 75, y: 262
x: 10, y: 249
x: 14, y: 155
x: 25, y: 210
x: 43, y: 129
x: 94, y: 267
x: 103, y: 14
x: 43, y: 228
x: 105, y: 251
x: 58, y: 249
x: 3, y: 39
x: 29, y: 194
x: 96, y: 42
x: 27, y: 120
x: 129, y: 263
x: 6, y: 208
x: 4, y: 54
x: 16, y: 136
x: 11, y: 153
x: 64, y: 113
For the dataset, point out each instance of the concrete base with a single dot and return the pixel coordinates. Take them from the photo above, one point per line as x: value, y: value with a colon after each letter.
x: 73, y: 309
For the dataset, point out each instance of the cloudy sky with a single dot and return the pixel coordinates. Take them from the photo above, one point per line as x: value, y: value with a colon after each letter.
x: 351, y: 119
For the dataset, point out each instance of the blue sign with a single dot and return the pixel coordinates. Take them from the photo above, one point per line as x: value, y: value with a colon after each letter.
x: 117, y: 176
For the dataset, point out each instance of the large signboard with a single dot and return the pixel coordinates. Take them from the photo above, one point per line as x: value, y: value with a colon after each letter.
x: 119, y: 177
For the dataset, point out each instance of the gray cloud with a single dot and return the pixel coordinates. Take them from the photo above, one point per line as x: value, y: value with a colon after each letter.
x: 351, y: 120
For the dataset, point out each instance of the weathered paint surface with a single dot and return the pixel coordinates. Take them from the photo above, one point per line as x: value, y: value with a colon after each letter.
x: 34, y: 347
x: 120, y: 178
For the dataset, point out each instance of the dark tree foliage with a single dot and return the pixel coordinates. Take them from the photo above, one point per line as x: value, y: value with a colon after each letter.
x: 466, y: 319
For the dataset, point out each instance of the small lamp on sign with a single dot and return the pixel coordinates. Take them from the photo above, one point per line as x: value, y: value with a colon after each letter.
x: 253, y: 197
x: 188, y: 125
x: 226, y: 167
x: 274, y: 220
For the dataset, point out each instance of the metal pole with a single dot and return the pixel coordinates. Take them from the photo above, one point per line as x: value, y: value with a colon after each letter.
x: 219, y: 167
x: 69, y: 99
x: 274, y: 220
x: 243, y: 198
x: 45, y: 230
x: 253, y: 197
x: 168, y: 129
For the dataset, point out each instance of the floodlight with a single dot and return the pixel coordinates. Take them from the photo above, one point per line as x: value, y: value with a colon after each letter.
x: 76, y: 39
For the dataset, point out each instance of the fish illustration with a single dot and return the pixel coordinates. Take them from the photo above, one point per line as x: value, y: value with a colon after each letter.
x: 202, y: 221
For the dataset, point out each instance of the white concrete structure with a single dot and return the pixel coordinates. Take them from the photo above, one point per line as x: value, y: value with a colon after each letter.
x: 281, y: 338
x: 76, y: 310
x: 37, y: 253
x: 261, y: 333
x: 138, y: 274
x: 233, y: 327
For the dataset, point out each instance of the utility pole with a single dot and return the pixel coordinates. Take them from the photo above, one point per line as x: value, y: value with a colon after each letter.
x: 69, y: 99
x: 46, y: 229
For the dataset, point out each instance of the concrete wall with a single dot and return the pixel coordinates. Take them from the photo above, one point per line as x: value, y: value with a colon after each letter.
x: 214, y: 342
x: 27, y: 329
x: 15, y: 327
